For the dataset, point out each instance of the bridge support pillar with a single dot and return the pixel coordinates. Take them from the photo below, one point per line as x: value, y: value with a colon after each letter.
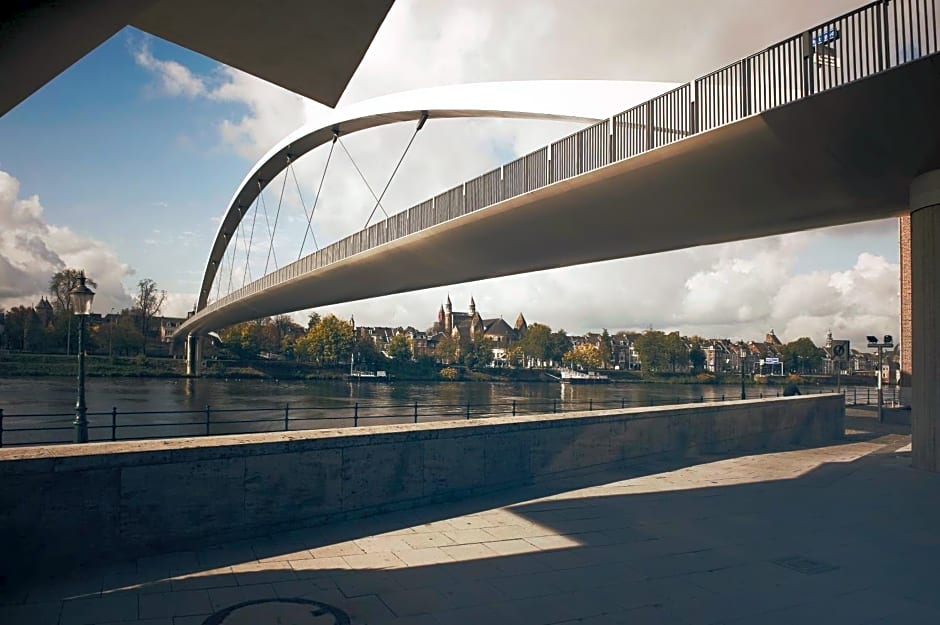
x: 925, y: 321
x: 193, y: 355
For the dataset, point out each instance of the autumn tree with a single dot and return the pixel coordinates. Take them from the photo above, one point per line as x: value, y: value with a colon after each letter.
x: 329, y: 342
x: 535, y: 342
x: 476, y: 353
x: 585, y: 356
x: 606, y: 349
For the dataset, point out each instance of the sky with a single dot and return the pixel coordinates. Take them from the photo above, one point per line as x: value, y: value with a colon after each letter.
x: 124, y: 164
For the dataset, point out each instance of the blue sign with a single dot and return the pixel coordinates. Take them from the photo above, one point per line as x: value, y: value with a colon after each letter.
x: 772, y: 361
x: 826, y: 36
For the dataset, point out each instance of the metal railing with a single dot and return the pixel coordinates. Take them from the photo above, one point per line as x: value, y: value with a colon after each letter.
x: 876, y: 37
x: 19, y: 429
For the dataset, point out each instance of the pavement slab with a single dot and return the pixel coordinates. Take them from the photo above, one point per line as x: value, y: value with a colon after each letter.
x: 842, y: 534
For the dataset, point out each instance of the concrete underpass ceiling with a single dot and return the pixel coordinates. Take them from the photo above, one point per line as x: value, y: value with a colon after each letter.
x: 311, y: 47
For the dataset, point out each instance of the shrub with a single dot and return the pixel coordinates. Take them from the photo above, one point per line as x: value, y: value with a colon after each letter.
x: 449, y: 373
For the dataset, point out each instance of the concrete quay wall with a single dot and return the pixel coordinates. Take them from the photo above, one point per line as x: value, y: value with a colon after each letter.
x: 66, y: 505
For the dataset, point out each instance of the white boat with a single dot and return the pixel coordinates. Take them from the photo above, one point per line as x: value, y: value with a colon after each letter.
x: 376, y: 376
x: 579, y: 377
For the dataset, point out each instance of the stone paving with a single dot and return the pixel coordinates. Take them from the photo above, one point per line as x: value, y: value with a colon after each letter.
x: 844, y: 534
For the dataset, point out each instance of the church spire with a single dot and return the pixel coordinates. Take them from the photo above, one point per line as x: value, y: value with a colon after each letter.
x: 473, y: 306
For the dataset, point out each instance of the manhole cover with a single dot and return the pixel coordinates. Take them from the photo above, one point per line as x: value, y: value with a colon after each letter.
x: 805, y: 565
x: 279, y: 612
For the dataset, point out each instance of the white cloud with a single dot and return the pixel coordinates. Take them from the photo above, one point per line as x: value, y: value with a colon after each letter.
x: 31, y: 250
x: 173, y: 79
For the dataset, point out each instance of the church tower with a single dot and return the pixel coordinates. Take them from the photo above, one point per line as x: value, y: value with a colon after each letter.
x: 473, y: 306
x: 448, y: 316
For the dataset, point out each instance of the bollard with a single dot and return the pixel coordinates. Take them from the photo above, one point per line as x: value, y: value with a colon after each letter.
x: 722, y: 397
x: 468, y: 409
x: 513, y: 408
x: 356, y: 415
x: 591, y: 404
x: 554, y: 406
x: 113, y: 423
x: 1, y: 427
x: 207, y: 419
x: 623, y: 402
x: 416, y: 412
x: 286, y: 417
x: 761, y: 395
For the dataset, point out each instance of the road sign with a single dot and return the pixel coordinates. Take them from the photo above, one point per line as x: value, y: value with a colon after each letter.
x: 840, y: 350
x: 771, y: 361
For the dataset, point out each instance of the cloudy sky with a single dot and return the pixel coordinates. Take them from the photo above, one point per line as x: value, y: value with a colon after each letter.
x: 124, y: 164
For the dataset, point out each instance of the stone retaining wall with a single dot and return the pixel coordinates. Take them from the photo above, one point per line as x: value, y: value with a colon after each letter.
x: 70, y: 504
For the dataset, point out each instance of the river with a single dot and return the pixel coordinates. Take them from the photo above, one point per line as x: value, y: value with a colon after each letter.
x: 154, y: 407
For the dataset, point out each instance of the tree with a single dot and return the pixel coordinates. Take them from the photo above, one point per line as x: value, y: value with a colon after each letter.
x: 329, y: 342
x: 476, y: 353
x: 147, y: 304
x: 606, y: 349
x: 535, y: 342
x: 585, y: 356
x: 399, y: 348
x: 558, y: 345
x: 312, y: 320
x: 653, y: 350
x: 366, y: 353
x: 802, y: 356
x: 697, y: 357
x: 446, y: 350
x: 677, y: 353
x: 61, y: 283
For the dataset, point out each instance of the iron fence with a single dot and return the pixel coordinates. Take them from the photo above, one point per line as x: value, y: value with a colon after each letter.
x: 19, y: 429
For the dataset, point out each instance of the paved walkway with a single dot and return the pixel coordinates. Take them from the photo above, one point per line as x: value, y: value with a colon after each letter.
x: 846, y: 534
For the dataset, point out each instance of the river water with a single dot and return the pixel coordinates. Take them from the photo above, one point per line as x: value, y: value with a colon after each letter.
x: 154, y: 407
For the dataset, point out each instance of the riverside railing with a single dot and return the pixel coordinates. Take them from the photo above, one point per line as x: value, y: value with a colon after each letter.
x: 871, y: 39
x: 18, y: 429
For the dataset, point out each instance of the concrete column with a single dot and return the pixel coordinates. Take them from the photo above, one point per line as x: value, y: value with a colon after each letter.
x: 193, y: 355
x: 925, y: 320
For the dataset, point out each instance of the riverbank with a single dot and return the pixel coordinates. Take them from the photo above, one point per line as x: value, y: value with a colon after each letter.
x: 14, y: 364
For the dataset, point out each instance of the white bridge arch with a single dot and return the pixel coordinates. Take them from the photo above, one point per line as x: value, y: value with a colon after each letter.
x: 583, y: 101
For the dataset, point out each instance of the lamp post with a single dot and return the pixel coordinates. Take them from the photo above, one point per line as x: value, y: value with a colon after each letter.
x: 889, y: 343
x: 743, y: 356
x: 81, y: 297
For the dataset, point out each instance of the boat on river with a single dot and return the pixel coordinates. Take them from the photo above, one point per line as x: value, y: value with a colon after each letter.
x: 368, y: 376
x: 571, y: 376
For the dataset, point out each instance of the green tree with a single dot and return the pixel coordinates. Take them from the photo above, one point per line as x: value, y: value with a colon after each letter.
x: 677, y: 353
x: 476, y: 353
x: 367, y: 355
x: 329, y: 342
x: 585, y: 356
x: 697, y: 358
x: 558, y: 345
x: 399, y: 348
x: 661, y: 352
x: 606, y: 349
x: 535, y: 342
x: 312, y: 320
x: 446, y: 350
x: 802, y: 356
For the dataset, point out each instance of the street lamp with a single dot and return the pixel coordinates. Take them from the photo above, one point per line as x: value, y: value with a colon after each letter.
x: 743, y: 356
x: 889, y: 343
x: 81, y: 297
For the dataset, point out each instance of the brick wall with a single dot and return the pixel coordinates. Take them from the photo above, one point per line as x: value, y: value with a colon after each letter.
x: 904, y: 236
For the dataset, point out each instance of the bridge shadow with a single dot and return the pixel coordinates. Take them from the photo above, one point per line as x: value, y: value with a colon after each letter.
x: 846, y: 530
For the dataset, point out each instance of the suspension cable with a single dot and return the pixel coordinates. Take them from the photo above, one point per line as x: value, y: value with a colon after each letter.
x: 316, y: 199
x: 307, y: 214
x: 267, y: 223
x: 234, y: 251
x: 424, y: 118
x: 368, y: 186
x: 251, y: 237
x: 277, y: 214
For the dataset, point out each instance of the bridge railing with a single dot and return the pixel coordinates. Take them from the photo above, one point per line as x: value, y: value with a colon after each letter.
x: 878, y: 36
x: 18, y: 429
